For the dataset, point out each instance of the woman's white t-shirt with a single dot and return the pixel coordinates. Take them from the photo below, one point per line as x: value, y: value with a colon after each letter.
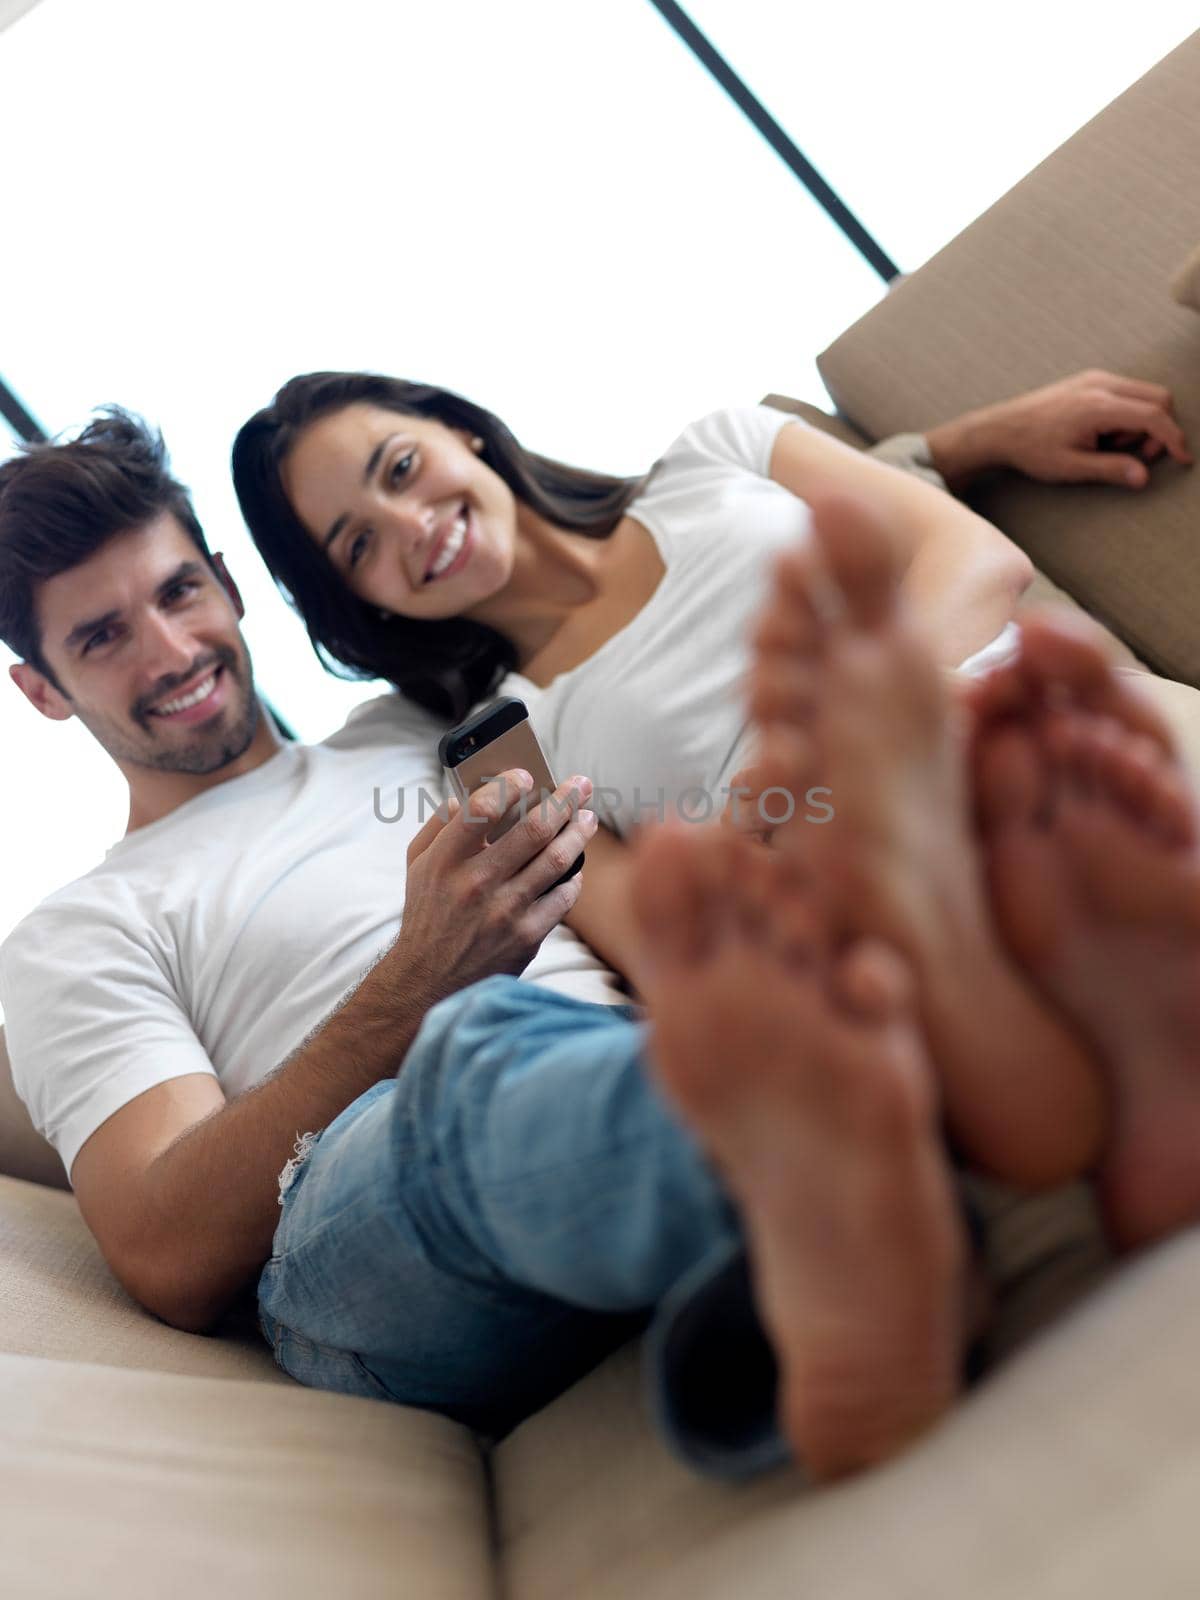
x: 656, y: 717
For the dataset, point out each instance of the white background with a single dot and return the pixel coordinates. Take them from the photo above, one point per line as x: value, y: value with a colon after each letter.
x: 547, y: 204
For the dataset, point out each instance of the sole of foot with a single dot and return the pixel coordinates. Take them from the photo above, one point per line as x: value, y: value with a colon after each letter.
x: 1093, y: 860
x: 848, y: 695
x: 801, y: 1072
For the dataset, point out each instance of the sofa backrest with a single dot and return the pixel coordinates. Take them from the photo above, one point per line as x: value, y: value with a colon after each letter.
x: 23, y: 1151
x: 1071, y: 269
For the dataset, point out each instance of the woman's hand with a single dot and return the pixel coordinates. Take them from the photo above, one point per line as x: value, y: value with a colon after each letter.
x: 1094, y: 427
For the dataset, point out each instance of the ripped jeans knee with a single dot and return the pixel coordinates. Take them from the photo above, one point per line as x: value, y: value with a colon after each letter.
x: 303, y: 1148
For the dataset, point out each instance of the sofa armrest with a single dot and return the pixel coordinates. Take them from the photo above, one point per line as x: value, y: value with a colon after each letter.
x: 23, y: 1151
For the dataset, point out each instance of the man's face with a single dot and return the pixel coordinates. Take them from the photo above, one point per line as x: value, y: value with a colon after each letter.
x: 133, y: 636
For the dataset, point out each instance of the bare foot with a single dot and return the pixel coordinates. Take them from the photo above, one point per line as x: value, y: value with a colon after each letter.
x: 848, y: 696
x: 1093, y: 855
x: 803, y: 1076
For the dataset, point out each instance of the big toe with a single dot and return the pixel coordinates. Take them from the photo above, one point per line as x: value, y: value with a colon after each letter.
x: 861, y: 554
x: 677, y: 894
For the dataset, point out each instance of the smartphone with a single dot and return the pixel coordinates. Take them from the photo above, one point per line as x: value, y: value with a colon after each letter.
x: 496, y: 741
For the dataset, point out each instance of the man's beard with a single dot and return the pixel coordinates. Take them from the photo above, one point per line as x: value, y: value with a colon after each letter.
x: 207, y: 751
x: 203, y: 755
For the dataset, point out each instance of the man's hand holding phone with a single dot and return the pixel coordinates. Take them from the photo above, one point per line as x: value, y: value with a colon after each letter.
x: 473, y: 908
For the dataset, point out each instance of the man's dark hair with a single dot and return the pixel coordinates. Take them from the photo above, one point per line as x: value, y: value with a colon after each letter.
x: 60, y: 503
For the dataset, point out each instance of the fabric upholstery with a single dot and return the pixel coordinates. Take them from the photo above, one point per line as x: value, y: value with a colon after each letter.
x: 1069, y: 270
x: 1073, y: 1470
x: 141, y: 1485
x: 58, y: 1298
x: 23, y: 1151
x: 1185, y: 285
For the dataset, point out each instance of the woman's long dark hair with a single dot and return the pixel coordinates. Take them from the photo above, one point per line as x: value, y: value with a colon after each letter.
x: 444, y: 666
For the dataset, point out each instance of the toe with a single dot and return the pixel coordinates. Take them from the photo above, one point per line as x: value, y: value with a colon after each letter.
x: 746, y: 885
x: 790, y: 622
x: 796, y: 928
x: 783, y: 689
x: 1150, y: 791
x: 786, y: 770
x: 1068, y: 658
x: 1174, y: 814
x: 873, y: 981
x: 676, y: 896
x: 1009, y: 778
x: 998, y: 694
x: 861, y: 555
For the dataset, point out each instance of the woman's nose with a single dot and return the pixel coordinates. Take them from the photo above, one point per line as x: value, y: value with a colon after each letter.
x: 414, y: 527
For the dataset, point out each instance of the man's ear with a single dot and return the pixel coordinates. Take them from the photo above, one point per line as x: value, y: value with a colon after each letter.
x: 227, y: 583
x: 41, y: 693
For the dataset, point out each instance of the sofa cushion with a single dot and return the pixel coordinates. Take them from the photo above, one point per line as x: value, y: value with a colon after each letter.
x: 1069, y: 270
x: 1072, y: 1470
x: 58, y: 1298
x: 141, y: 1485
x: 23, y: 1151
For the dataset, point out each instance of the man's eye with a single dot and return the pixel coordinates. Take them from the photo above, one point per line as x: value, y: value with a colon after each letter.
x: 184, y: 586
x: 99, y: 637
x: 359, y: 546
x: 401, y: 466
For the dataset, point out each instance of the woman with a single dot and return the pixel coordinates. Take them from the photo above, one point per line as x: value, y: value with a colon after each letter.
x: 422, y: 543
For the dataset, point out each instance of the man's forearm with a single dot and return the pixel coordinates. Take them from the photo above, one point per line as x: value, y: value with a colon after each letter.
x: 213, y: 1194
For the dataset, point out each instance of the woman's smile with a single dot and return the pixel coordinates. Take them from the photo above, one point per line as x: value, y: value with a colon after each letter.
x: 453, y: 547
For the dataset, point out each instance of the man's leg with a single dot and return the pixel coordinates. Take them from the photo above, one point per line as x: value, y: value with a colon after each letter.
x: 477, y: 1233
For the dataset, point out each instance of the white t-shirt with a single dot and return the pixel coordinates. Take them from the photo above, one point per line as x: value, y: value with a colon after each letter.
x: 658, y: 710
x: 218, y: 938
x: 656, y: 716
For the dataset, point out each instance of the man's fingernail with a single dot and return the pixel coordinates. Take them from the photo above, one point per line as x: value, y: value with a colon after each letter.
x: 1133, y: 476
x: 581, y: 784
x: 588, y: 819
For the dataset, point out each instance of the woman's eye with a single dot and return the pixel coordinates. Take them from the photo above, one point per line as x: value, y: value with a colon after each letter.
x: 359, y: 546
x: 401, y: 465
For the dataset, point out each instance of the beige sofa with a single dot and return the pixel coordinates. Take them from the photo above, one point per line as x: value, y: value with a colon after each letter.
x: 137, y: 1461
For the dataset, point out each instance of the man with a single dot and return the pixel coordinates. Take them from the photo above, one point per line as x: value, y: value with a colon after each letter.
x: 520, y: 1195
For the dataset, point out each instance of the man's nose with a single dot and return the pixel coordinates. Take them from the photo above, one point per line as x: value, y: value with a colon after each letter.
x: 170, y: 647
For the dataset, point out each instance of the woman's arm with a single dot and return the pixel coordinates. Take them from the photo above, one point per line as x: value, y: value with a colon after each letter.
x: 963, y: 578
x: 603, y: 914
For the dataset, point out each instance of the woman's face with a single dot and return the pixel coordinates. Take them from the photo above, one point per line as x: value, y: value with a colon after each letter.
x: 405, y: 510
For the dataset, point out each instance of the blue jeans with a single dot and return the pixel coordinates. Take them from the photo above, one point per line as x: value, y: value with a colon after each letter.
x: 475, y: 1234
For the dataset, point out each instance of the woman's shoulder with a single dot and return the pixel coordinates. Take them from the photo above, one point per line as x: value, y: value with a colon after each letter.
x: 737, y: 436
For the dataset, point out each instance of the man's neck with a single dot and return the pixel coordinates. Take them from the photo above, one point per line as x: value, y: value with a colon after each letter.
x: 154, y: 795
